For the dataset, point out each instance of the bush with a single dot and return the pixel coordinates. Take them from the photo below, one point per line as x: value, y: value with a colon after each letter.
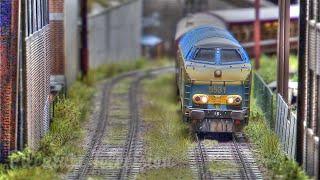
x: 270, y: 153
x: 25, y: 159
x: 268, y: 68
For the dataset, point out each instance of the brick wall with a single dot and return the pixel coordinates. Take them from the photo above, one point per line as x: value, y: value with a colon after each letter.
x: 8, y: 62
x: 57, y: 35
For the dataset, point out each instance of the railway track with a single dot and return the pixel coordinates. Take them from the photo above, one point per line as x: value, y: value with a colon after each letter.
x: 115, y: 150
x: 228, y: 160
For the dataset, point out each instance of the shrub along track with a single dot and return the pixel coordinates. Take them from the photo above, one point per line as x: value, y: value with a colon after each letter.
x: 115, y: 150
x: 224, y: 160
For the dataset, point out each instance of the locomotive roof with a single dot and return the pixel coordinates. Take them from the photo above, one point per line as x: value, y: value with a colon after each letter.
x: 207, y: 36
x: 192, y: 21
x: 217, y: 42
x: 248, y: 14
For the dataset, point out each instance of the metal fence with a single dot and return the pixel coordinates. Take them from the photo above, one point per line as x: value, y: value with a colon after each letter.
x: 277, y: 114
x: 264, y: 98
x: 286, y: 127
x: 312, y: 153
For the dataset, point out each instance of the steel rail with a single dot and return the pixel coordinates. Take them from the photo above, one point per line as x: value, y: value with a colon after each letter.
x: 134, y: 125
x: 101, y: 126
x: 246, y: 171
x: 103, y: 121
x: 129, y: 151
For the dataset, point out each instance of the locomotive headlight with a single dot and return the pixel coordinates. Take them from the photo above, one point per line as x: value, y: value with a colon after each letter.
x: 200, y: 99
x: 234, y: 100
x: 204, y: 99
x: 230, y: 100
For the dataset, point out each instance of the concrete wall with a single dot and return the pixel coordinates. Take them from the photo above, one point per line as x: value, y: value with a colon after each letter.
x: 71, y: 40
x: 115, y: 34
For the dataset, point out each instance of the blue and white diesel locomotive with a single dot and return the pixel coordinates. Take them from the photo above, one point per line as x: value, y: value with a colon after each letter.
x: 213, y: 78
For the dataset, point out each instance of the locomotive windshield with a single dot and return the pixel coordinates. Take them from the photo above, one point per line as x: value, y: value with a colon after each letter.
x: 230, y: 55
x: 205, y: 55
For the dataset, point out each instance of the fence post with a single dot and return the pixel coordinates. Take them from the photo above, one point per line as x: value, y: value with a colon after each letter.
x: 316, y: 157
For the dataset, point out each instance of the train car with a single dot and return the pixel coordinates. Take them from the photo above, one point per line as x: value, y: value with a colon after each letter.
x: 213, y: 78
x: 240, y: 23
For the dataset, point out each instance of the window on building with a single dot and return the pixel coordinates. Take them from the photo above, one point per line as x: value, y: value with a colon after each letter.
x: 37, y: 15
x: 205, y: 55
x: 230, y: 55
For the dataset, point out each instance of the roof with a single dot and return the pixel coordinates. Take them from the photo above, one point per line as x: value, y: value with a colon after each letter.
x: 248, y: 14
x: 192, y: 21
x: 217, y: 42
x: 206, y: 35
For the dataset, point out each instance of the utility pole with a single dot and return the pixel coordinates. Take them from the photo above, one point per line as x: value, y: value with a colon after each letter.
x: 84, y: 38
x: 302, y: 86
x: 283, y: 48
x: 257, y: 34
x: 21, y: 76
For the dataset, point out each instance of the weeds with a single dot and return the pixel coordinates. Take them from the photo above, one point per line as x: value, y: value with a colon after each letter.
x: 268, y: 68
x: 167, y: 138
x: 166, y: 173
x: 270, y: 153
x: 62, y: 141
x: 219, y: 167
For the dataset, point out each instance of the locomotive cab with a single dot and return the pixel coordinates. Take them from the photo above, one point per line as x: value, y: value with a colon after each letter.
x: 214, y: 81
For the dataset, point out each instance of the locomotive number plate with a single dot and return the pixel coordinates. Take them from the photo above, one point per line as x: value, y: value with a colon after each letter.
x: 217, y: 99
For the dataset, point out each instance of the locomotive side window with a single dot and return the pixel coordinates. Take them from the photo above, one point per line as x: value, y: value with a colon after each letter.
x: 230, y: 55
x: 205, y: 55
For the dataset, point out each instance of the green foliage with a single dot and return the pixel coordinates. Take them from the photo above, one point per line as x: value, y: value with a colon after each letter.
x: 166, y: 173
x: 34, y: 173
x: 112, y: 69
x: 25, y: 159
x: 269, y: 148
x: 62, y: 141
x: 167, y: 137
x: 219, y: 167
x: 268, y: 68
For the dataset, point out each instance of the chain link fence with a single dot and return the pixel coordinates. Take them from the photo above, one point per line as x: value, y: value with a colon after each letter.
x: 264, y: 98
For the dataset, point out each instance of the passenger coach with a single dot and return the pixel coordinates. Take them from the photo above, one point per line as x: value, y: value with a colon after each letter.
x: 213, y: 77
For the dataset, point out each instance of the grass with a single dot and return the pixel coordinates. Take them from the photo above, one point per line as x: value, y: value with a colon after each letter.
x: 221, y: 167
x: 106, y: 164
x: 62, y: 142
x: 103, y: 3
x: 167, y: 137
x: 268, y: 68
x: 209, y: 143
x: 270, y: 153
x: 114, y: 68
x: 166, y: 173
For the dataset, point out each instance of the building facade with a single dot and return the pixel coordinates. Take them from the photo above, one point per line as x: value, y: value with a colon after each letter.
x: 8, y: 66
